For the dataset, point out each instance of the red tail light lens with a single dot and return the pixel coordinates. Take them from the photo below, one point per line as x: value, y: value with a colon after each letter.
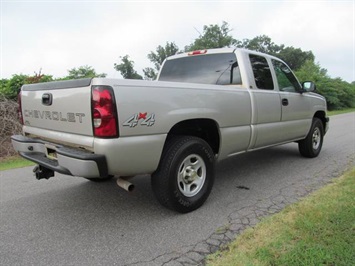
x: 104, y: 113
x: 19, y: 110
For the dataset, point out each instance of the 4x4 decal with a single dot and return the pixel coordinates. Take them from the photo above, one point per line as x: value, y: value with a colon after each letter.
x: 143, y: 119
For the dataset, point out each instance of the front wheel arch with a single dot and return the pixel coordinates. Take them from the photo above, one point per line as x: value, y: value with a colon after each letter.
x: 311, y: 146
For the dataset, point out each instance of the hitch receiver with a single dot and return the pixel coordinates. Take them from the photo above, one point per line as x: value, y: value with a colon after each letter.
x: 42, y: 172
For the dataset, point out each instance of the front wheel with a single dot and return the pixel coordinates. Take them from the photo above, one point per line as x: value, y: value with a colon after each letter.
x: 311, y: 146
x: 185, y: 175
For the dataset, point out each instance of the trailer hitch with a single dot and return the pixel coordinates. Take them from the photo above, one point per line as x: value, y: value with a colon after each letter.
x: 42, y: 172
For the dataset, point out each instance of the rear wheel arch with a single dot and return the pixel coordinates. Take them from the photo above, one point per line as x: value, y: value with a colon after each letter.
x: 206, y: 129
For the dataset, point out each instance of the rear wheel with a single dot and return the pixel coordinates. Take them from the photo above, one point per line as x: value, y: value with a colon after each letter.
x: 185, y: 175
x: 311, y: 146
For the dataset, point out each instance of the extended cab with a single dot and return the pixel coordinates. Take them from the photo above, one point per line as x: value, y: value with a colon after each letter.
x: 206, y: 106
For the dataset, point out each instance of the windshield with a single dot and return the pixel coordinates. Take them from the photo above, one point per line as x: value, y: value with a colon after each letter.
x: 207, y: 69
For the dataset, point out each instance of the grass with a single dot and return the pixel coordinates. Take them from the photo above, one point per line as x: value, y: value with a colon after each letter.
x: 13, y: 162
x: 319, y: 230
x: 343, y: 111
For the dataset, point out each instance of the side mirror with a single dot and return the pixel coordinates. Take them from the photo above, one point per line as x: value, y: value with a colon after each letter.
x: 308, y: 86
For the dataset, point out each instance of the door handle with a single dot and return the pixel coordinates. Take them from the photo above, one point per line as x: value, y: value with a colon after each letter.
x: 284, y: 102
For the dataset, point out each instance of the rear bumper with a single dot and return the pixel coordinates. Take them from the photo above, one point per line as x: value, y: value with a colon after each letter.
x: 67, y: 161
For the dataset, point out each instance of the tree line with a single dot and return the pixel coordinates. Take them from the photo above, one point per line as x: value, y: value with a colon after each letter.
x: 338, y: 93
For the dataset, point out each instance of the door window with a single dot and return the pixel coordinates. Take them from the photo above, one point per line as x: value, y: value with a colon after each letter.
x: 285, y: 78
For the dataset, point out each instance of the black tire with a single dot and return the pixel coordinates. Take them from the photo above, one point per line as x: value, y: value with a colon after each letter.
x: 100, y: 179
x: 185, y: 176
x: 311, y: 146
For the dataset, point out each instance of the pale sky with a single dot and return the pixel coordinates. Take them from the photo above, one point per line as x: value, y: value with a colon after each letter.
x: 58, y: 35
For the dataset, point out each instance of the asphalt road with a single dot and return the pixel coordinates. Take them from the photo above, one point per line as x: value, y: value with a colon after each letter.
x: 72, y: 221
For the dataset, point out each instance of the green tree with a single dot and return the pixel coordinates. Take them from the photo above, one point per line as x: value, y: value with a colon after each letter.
x: 3, y: 86
x: 150, y: 73
x: 83, y: 72
x: 262, y: 44
x: 311, y: 71
x: 158, y: 57
x: 294, y: 57
x: 38, y: 78
x: 11, y: 87
x: 338, y: 93
x: 345, y: 92
x: 213, y: 36
x: 126, y: 68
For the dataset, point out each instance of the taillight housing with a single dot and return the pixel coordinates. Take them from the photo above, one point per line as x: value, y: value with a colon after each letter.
x: 104, y: 112
x: 19, y: 109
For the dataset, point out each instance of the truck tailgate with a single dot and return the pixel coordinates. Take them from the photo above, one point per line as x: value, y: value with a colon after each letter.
x: 63, y: 106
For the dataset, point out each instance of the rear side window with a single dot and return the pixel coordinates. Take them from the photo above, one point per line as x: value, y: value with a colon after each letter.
x: 219, y: 69
x: 262, y: 73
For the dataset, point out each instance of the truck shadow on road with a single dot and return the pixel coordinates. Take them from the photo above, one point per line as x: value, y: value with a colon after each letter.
x: 249, y: 171
x: 80, y: 198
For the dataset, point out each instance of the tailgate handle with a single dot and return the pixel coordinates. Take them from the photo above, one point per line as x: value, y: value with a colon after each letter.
x: 47, y: 99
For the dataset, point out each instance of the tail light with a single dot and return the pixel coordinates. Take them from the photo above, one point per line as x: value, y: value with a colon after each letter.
x: 104, y: 112
x: 19, y: 110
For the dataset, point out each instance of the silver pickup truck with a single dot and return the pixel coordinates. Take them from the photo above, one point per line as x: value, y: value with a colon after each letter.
x: 205, y: 106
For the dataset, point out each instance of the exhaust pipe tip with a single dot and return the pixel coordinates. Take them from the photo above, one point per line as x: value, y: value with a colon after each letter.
x: 122, y: 183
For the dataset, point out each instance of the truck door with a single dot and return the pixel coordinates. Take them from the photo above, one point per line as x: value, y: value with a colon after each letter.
x: 266, y: 122
x: 296, y: 114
